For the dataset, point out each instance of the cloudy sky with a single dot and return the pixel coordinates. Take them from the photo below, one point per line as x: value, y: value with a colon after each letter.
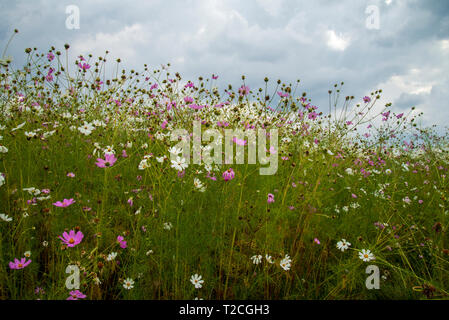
x: 405, y: 52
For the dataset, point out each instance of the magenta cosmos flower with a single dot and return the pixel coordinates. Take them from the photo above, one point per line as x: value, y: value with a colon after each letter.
x: 71, y: 239
x: 122, y: 242
x: 108, y: 161
x: 64, y: 203
x: 243, y: 90
x: 270, y: 198
x: 75, y: 295
x: 19, y: 264
x: 228, y: 174
x: 366, y: 99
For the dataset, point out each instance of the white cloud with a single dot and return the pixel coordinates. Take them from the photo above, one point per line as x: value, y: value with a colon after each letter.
x: 124, y: 43
x: 272, y: 7
x: 444, y: 44
x: 337, y: 42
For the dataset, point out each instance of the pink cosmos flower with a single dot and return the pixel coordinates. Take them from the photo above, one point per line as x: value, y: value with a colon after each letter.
x: 316, y: 241
x: 211, y: 177
x: 50, y: 56
x: 366, y: 99
x: 243, y: 90
x: 124, y: 154
x: 228, y: 174
x: 188, y: 100
x: 282, y: 94
x: 71, y: 175
x: 19, y: 264
x: 195, y: 106
x: 122, y: 242
x: 84, y: 66
x: 64, y: 203
x: 214, y: 77
x: 313, y: 115
x: 240, y: 142
x: 75, y: 295
x: 108, y: 161
x: 71, y: 239
x: 49, y: 76
x: 270, y: 198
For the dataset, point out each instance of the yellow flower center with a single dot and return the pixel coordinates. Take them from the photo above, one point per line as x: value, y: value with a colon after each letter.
x: 71, y: 241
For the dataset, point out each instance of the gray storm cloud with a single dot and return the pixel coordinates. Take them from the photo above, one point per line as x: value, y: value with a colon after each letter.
x: 320, y: 42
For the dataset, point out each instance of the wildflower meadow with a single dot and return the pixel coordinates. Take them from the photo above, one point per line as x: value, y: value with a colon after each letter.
x: 146, y: 185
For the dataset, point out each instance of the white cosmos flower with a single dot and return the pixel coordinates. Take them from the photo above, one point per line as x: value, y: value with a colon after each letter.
x: 269, y: 258
x: 86, y: 128
x: 343, y: 245
x: 2, y: 179
x: 111, y: 256
x: 143, y: 164
x: 167, y: 225
x: 3, y: 149
x: 30, y: 134
x: 66, y: 115
x: 199, y: 185
x: 43, y: 198
x: 161, y: 159
x: 98, y: 123
x: 366, y: 255
x: 349, y: 171
x: 128, y: 283
x: 196, y: 281
x: 109, y: 150
x: 5, y: 217
x: 179, y: 164
x: 256, y: 259
x: 49, y: 134
x: 18, y: 127
x: 33, y: 191
x: 286, y: 263
x: 97, y: 148
x: 174, y: 151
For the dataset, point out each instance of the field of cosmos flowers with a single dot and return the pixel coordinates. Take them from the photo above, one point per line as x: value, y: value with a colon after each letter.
x: 90, y: 178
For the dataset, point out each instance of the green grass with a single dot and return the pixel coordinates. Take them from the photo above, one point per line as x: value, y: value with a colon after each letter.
x: 214, y: 233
